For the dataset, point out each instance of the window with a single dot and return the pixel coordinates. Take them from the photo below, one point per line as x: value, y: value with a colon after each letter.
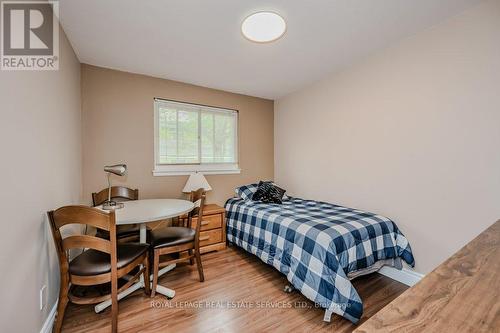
x: 190, y: 137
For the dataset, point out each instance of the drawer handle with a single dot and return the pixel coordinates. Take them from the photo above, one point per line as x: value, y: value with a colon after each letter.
x: 205, y: 222
x: 204, y: 238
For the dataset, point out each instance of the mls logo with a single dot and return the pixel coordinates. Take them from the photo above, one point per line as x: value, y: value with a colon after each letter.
x: 29, y: 35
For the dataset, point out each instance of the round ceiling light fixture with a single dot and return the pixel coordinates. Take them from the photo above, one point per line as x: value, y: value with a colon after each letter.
x: 263, y: 27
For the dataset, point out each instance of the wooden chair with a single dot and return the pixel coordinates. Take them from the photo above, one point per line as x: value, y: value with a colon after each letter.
x: 104, y: 261
x: 124, y: 233
x: 117, y: 192
x: 177, y: 240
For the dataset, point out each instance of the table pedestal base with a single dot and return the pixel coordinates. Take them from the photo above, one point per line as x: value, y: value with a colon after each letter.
x: 136, y: 286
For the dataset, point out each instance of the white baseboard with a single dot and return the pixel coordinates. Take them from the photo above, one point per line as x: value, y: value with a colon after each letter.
x: 49, y: 322
x: 405, y: 276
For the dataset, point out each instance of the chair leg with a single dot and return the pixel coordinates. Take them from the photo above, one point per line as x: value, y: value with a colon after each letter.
x: 61, y: 306
x: 198, y: 263
x: 114, y: 306
x: 156, y: 264
x: 145, y: 276
x: 191, y: 260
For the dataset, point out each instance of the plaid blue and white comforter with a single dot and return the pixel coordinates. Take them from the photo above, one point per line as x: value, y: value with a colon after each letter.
x: 316, y: 244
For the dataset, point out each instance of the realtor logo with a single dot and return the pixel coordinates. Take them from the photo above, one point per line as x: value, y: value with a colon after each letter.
x: 29, y: 35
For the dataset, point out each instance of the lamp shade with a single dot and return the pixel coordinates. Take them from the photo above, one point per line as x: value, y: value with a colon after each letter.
x: 196, y: 181
x: 117, y: 169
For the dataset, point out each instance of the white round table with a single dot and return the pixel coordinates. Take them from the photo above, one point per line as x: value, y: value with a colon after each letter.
x: 142, y: 212
x: 150, y: 210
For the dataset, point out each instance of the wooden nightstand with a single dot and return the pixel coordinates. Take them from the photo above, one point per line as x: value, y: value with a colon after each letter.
x: 213, y: 228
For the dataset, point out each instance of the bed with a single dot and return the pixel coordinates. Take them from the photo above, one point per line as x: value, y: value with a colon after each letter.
x: 319, y: 246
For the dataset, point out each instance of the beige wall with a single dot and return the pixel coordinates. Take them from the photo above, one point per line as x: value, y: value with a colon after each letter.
x: 118, y: 127
x: 40, y: 144
x: 412, y: 133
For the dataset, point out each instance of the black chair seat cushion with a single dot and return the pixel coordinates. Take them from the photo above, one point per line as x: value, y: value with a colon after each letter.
x: 171, y: 236
x: 93, y: 262
x: 122, y: 231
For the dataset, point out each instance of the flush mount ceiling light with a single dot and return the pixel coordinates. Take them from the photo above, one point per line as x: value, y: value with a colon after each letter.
x: 263, y: 27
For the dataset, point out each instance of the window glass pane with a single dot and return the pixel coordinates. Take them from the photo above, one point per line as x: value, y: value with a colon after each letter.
x: 178, y: 131
x: 218, y: 137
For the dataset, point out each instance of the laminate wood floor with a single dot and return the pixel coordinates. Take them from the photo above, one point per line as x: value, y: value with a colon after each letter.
x: 240, y: 294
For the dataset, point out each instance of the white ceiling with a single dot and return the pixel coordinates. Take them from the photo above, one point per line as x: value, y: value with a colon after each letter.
x: 199, y: 41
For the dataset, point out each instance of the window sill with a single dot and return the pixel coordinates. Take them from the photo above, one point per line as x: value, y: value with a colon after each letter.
x: 185, y: 170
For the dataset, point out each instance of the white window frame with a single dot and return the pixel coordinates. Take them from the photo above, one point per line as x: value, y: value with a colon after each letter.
x: 187, y: 169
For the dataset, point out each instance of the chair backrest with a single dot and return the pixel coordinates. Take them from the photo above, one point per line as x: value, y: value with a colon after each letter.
x: 198, y: 198
x: 87, y: 216
x: 121, y: 193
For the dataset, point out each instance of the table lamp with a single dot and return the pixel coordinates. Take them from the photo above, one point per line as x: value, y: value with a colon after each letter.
x: 196, y: 181
x: 119, y: 170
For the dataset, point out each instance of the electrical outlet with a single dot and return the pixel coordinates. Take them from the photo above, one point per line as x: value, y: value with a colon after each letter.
x: 43, y: 297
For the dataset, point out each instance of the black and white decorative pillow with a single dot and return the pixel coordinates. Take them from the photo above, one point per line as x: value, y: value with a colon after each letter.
x: 268, y: 192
